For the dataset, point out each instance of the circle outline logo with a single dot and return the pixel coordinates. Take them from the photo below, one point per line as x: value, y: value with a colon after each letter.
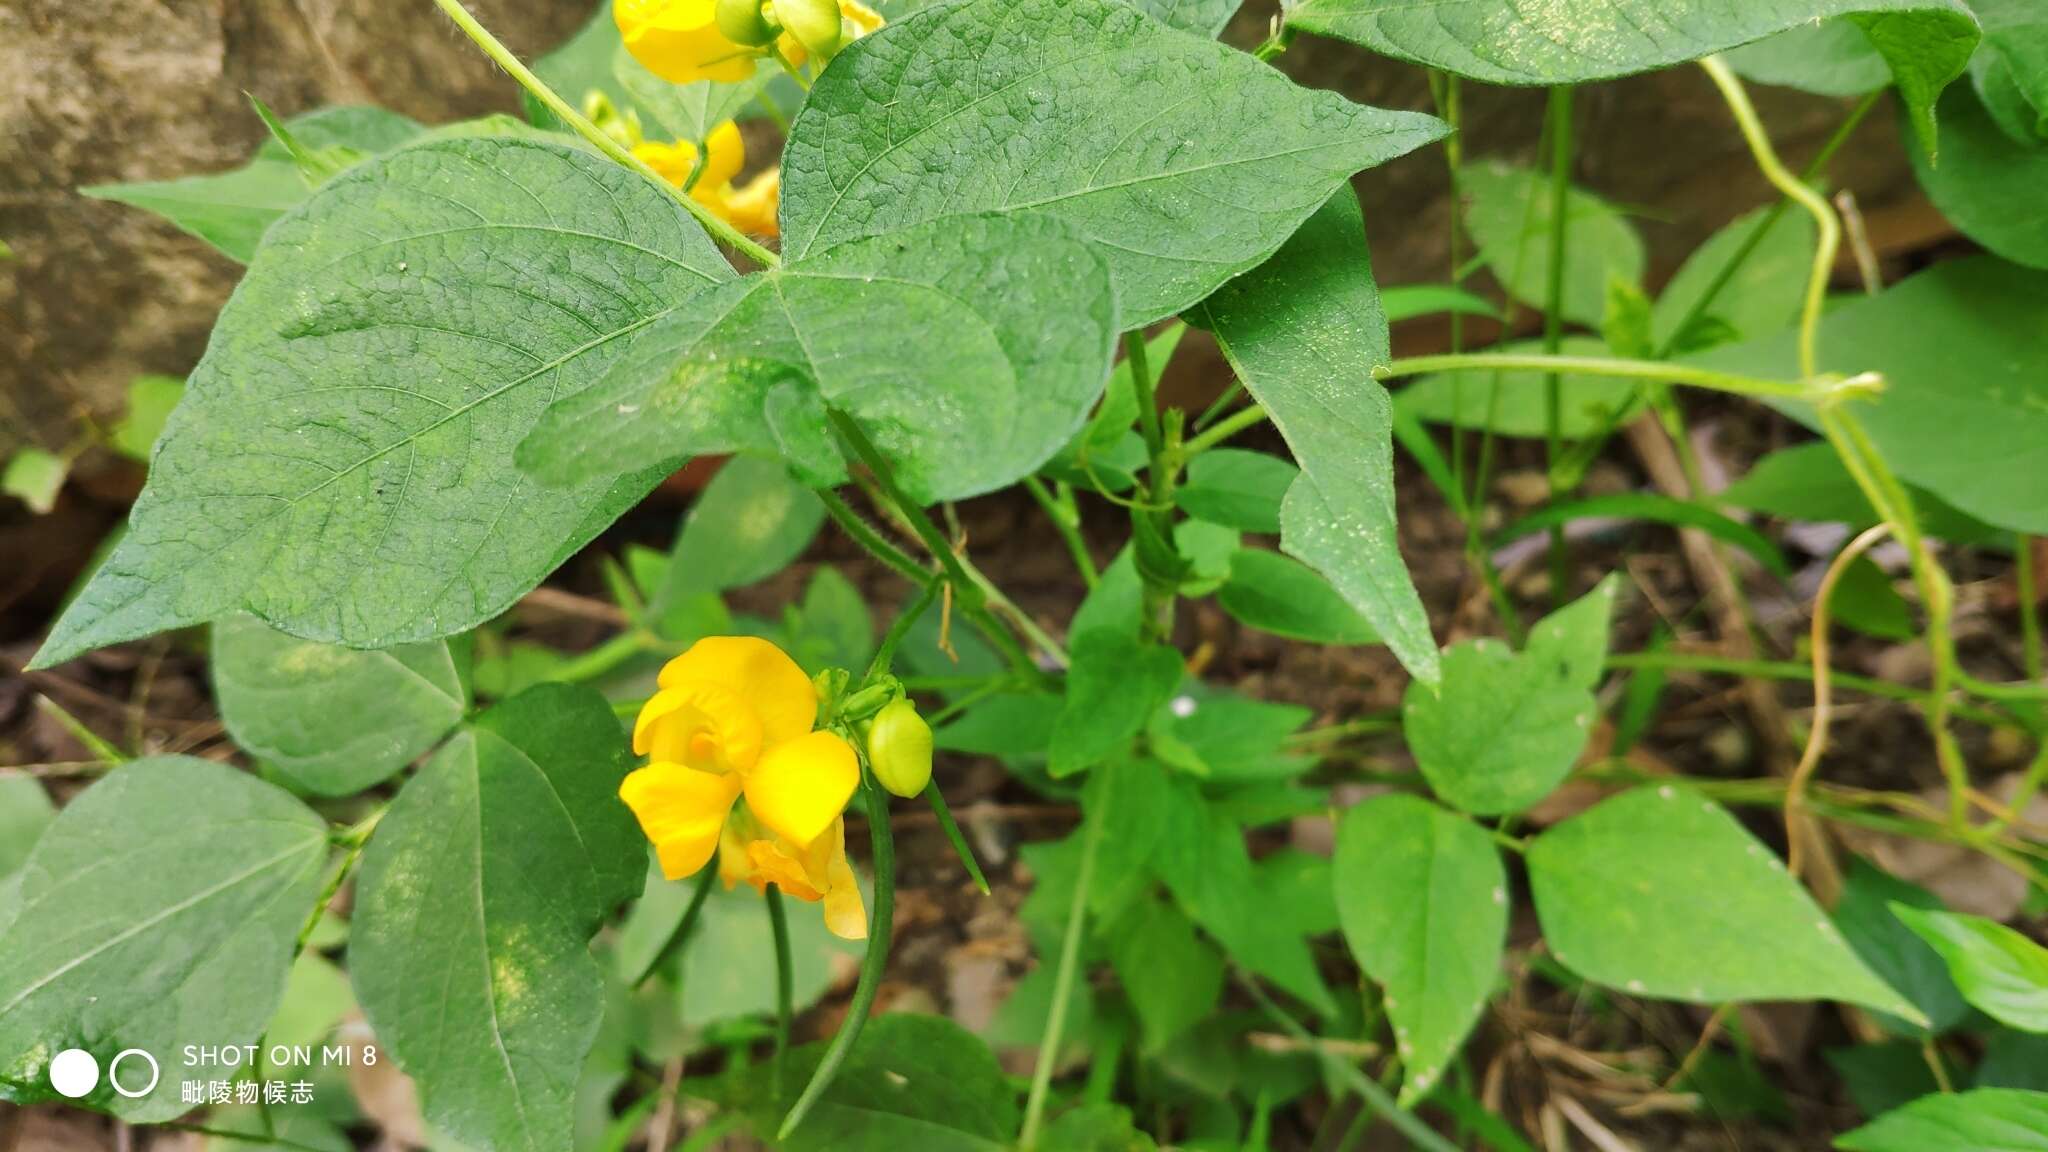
x: 114, y: 1070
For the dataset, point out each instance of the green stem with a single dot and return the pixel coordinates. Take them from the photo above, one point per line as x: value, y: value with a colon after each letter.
x: 1755, y: 239
x: 1063, y: 980
x: 497, y: 51
x: 1560, y: 112
x: 605, y: 658
x: 885, y: 654
x: 1686, y: 374
x: 681, y: 931
x: 1066, y: 517
x: 952, y: 830
x: 973, y: 592
x: 1791, y: 670
x: 1376, y: 1098
x: 785, y: 986
x: 1162, y: 450
x: 1223, y: 430
x: 871, y: 965
x: 1795, y: 189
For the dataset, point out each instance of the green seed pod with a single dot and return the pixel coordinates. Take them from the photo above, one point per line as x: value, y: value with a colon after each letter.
x: 814, y: 23
x: 900, y: 749
x: 740, y: 21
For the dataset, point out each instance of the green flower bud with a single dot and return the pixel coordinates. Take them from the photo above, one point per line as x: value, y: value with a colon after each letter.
x: 740, y: 21
x: 900, y: 749
x: 814, y: 23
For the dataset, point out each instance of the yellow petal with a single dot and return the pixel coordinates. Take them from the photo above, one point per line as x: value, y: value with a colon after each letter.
x: 672, y: 162
x: 752, y: 208
x: 801, y: 786
x: 759, y: 673
x: 701, y: 724
x: 680, y: 810
x: 772, y: 863
x: 863, y: 18
x: 846, y: 916
x: 725, y: 153
x: 679, y: 41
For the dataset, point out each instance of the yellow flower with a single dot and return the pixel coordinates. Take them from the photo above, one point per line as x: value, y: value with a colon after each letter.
x: 750, y: 208
x: 679, y: 41
x: 817, y: 873
x: 734, y: 716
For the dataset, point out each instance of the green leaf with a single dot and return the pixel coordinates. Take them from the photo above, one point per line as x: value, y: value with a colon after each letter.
x: 687, y: 111
x: 332, y: 720
x: 1503, y: 731
x: 34, y: 477
x: 749, y: 523
x: 1184, y: 161
x: 832, y: 627
x: 969, y: 349
x: 2000, y: 971
x: 1296, y: 890
x: 341, y: 465
x: 1173, y: 977
x: 1236, y: 488
x: 1865, y: 600
x: 1927, y: 43
x: 1114, y: 683
x: 1408, y: 301
x: 1988, y: 183
x: 1762, y: 296
x: 1236, y: 739
x: 2000, y: 1119
x: 2010, y: 69
x: 150, y: 400
x: 1832, y: 58
x: 1277, y: 594
x: 1013, y: 729
x: 2014, y: 1059
x: 1881, y: 1077
x: 1202, y: 17
x: 1658, y: 509
x: 1509, y: 219
x: 1096, y: 1128
x: 1513, y: 403
x: 1899, y: 957
x: 230, y: 210
x: 911, y: 1082
x: 1662, y: 894
x: 25, y: 810
x: 158, y: 910
x: 1808, y: 482
x: 1505, y: 728
x: 1423, y: 900
x: 490, y: 872
x: 1202, y: 859
x: 1964, y: 412
x: 1304, y: 332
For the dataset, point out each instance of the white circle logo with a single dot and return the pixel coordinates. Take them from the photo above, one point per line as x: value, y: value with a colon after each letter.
x: 114, y: 1073
x: 74, y: 1073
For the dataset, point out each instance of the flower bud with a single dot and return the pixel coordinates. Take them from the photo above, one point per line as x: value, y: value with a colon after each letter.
x: 900, y: 749
x: 741, y: 22
x: 814, y: 23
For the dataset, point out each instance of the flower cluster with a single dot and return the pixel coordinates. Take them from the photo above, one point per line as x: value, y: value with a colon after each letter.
x: 735, y: 717
x: 684, y: 41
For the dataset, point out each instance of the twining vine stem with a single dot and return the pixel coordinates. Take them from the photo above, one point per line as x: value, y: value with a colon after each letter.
x: 1797, y: 831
